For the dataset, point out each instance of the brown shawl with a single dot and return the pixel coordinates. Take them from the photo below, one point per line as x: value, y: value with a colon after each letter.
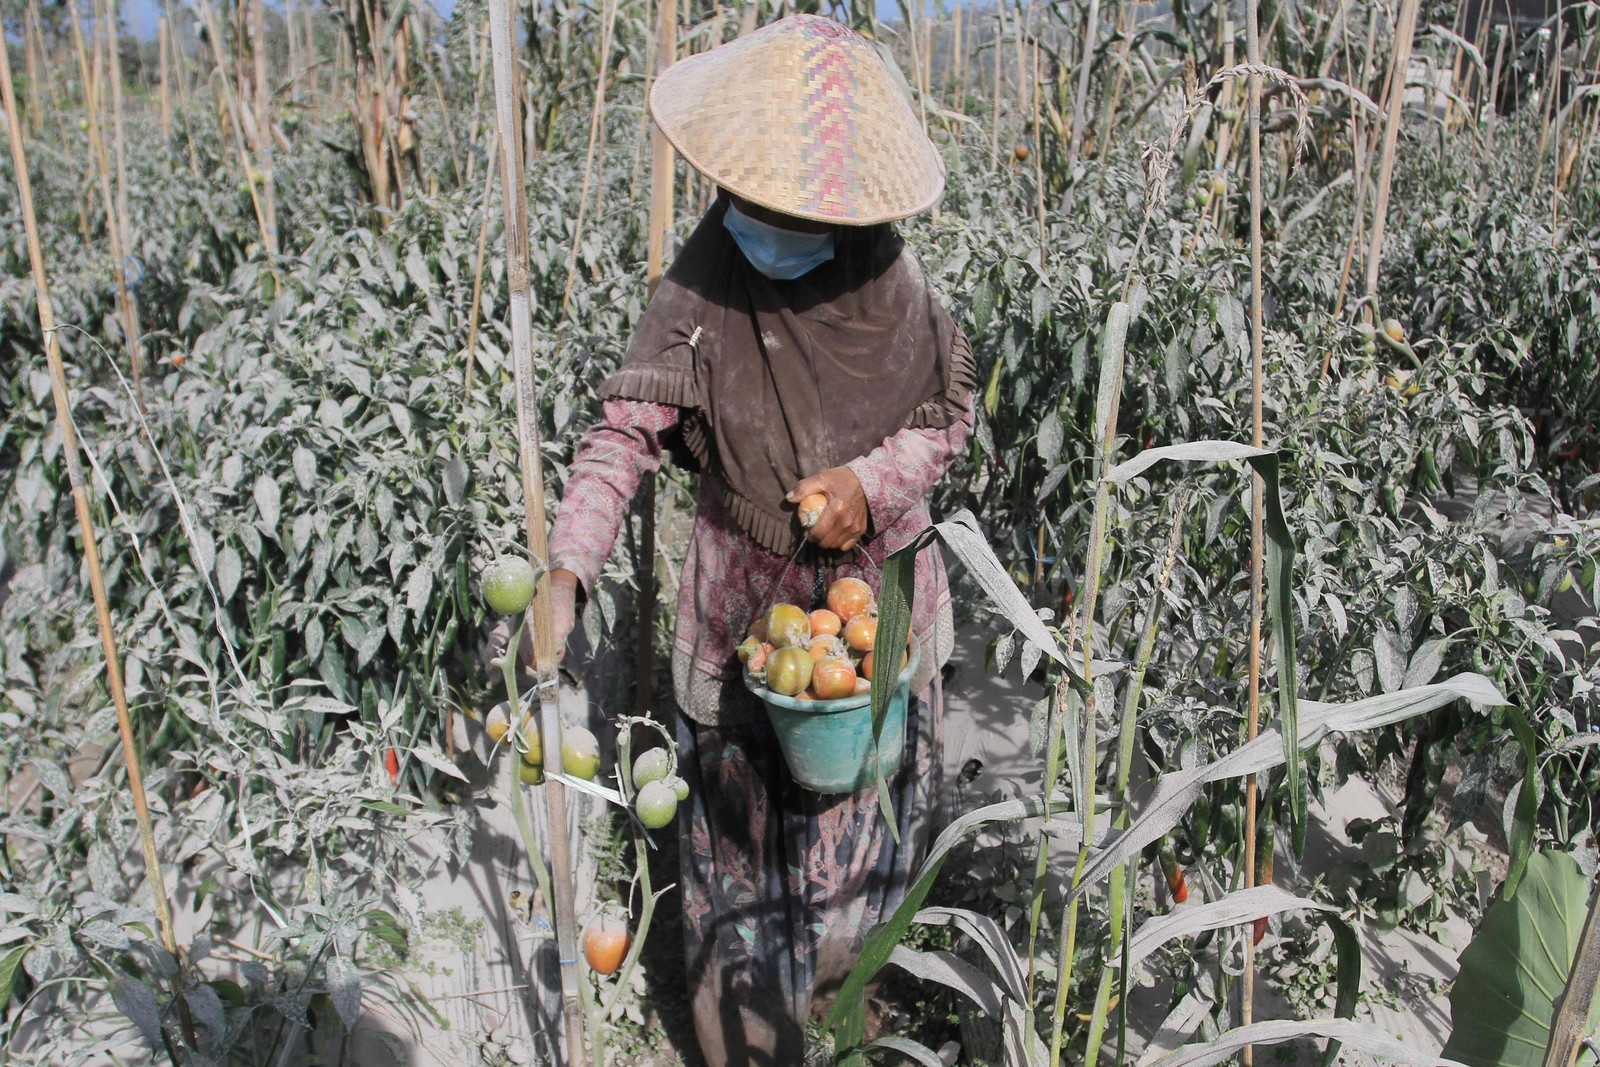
x: 785, y: 379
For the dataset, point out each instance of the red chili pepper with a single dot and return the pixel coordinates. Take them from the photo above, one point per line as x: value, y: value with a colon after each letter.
x: 1174, y: 875
x: 391, y: 760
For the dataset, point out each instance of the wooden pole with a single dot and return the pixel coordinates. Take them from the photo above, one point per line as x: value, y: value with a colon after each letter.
x: 545, y: 652
x: 1391, y: 132
x: 80, y: 502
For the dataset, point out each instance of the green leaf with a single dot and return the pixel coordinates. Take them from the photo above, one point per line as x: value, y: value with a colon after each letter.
x: 1503, y: 1000
x: 8, y: 973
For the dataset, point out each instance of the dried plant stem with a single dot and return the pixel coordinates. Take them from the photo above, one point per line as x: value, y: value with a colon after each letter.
x: 80, y: 501
x: 597, y: 118
x: 1391, y: 132
x: 544, y: 650
x: 1257, y: 491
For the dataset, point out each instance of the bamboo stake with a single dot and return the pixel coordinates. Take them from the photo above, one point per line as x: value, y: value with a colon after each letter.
x: 1252, y: 32
x: 1224, y: 100
x: 32, y: 66
x: 1391, y: 132
x: 292, y: 35
x: 36, y: 22
x: 80, y: 502
x: 97, y: 148
x: 662, y: 181
x: 477, y: 269
x: 1081, y: 94
x: 131, y: 312
x: 166, y: 94
x: 994, y: 107
x: 958, y: 87
x: 1038, y: 169
x: 544, y: 650
x: 596, y: 133
x: 263, y: 117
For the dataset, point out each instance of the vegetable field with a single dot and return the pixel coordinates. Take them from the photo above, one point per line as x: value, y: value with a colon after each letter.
x: 1284, y: 488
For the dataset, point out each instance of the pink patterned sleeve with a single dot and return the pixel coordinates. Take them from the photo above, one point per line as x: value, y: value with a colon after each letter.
x: 899, y: 474
x: 614, y: 456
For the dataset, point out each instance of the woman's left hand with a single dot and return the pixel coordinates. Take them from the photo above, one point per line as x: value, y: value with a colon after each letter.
x: 844, y: 520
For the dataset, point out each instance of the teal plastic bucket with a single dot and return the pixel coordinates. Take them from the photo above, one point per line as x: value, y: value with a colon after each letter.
x: 828, y: 743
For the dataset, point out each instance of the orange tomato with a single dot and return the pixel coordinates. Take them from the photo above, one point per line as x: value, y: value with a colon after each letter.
x: 826, y: 648
x: 811, y: 509
x: 860, y: 632
x: 832, y: 679
x: 605, y: 945
x: 849, y: 597
x: 825, y: 623
x: 866, y: 664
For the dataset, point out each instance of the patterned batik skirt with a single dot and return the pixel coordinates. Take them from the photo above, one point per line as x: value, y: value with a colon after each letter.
x: 780, y: 884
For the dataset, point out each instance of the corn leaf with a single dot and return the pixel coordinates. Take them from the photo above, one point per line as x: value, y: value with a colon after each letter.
x: 1177, y: 790
x: 1360, y: 1037
x: 1280, y: 594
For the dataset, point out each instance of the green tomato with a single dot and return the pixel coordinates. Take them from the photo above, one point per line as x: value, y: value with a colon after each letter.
x: 530, y: 745
x: 651, y: 765
x: 656, y: 805
x: 530, y: 774
x: 497, y: 724
x: 679, y: 786
x: 580, y: 753
x: 508, y: 585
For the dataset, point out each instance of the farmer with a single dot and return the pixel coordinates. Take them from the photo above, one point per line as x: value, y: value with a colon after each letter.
x: 794, y: 347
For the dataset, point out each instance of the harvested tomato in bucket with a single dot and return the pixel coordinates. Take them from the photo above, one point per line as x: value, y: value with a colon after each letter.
x: 817, y: 689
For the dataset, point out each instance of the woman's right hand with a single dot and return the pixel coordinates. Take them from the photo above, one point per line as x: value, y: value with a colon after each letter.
x: 563, y: 607
x: 563, y: 617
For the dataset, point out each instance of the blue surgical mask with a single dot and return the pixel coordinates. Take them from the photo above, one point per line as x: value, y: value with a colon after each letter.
x: 778, y: 253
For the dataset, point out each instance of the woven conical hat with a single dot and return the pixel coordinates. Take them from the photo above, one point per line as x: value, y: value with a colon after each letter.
x: 804, y: 117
